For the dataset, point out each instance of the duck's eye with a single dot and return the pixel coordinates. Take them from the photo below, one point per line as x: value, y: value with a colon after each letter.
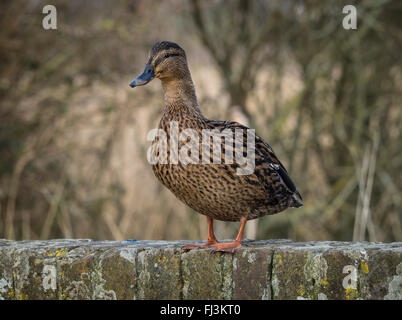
x: 149, y: 71
x: 167, y: 55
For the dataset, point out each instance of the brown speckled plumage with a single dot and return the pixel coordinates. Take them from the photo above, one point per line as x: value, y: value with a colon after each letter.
x: 215, y: 190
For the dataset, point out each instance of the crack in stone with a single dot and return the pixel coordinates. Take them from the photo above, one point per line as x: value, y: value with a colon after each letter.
x: 271, y: 273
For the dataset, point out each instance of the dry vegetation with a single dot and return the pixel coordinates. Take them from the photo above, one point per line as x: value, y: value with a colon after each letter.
x: 73, y: 135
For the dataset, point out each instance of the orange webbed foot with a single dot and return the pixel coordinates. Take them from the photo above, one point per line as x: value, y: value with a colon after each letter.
x: 226, y: 246
x: 202, y: 246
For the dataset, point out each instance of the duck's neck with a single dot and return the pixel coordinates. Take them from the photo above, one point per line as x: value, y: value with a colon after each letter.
x: 180, y: 94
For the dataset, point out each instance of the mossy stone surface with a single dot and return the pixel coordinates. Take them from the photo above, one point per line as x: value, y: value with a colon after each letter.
x: 159, y: 275
x: 252, y: 273
x: 118, y: 274
x: 203, y: 275
x: 273, y: 269
x: 6, y: 272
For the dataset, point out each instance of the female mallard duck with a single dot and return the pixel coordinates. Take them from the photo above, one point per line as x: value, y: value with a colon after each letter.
x: 216, y: 189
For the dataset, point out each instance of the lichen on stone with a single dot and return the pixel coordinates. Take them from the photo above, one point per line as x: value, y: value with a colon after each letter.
x: 395, y: 285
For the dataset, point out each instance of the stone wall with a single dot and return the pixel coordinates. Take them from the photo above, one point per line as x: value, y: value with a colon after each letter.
x: 274, y: 269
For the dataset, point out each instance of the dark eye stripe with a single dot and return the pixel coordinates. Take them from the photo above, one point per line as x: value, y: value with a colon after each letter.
x: 167, y: 55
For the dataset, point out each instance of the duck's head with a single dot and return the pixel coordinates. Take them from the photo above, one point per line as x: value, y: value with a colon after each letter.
x: 167, y: 60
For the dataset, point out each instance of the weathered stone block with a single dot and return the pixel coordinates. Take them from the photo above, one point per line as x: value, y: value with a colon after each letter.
x: 77, y: 275
x: 274, y: 269
x: 206, y: 275
x: 381, y: 275
x: 118, y: 277
x: 159, y: 274
x: 35, y: 274
x: 6, y: 271
x: 334, y: 270
x: 252, y: 273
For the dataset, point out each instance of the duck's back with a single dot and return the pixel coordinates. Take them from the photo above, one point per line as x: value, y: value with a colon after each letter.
x: 217, y: 189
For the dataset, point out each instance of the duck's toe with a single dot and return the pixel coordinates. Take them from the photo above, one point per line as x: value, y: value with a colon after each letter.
x: 202, y: 246
x: 225, y: 246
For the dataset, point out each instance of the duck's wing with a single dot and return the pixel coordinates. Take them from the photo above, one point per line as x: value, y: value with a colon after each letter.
x: 264, y: 154
x: 275, y: 163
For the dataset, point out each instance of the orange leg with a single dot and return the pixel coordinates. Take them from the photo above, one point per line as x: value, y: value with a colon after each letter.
x: 211, y: 237
x: 231, y: 246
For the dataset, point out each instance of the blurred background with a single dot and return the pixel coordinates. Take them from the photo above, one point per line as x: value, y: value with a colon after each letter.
x: 73, y: 134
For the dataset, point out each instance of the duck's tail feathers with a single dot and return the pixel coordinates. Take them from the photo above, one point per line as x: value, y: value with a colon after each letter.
x: 297, y: 200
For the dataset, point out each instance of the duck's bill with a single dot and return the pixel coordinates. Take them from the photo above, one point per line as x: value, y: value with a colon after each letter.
x: 144, y: 77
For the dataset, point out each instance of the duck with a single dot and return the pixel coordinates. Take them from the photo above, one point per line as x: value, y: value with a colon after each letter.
x: 221, y: 169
